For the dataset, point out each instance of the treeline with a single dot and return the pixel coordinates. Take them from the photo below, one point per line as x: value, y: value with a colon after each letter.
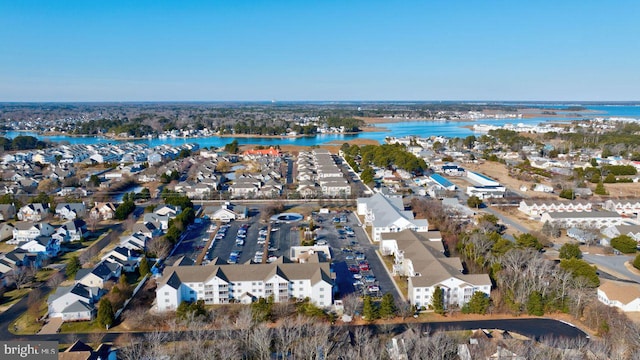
x: 384, y: 156
x: 350, y: 124
x: 134, y: 127
x: 22, y: 142
x: 180, y: 223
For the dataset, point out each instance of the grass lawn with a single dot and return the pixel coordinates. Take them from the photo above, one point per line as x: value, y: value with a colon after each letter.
x: 81, y: 327
x: 11, y: 297
x: 27, y: 324
x: 5, y: 248
x: 44, y: 274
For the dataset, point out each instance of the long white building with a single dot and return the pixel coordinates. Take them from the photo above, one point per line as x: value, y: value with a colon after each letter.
x: 386, y: 214
x: 421, y: 258
x: 590, y: 219
x: 218, y: 283
x: 538, y: 207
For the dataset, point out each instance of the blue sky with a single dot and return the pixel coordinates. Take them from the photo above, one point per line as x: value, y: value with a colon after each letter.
x: 319, y: 50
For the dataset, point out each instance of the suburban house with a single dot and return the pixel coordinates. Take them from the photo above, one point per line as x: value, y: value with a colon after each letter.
x: 159, y: 221
x: 70, y: 211
x: 72, y: 230
x: 6, y: 231
x: 73, y: 303
x: 227, y: 212
x: 623, y: 295
x: 148, y: 229
x: 99, y: 275
x: 453, y: 170
x: 7, y: 212
x: 422, y: 260
x: 135, y: 241
x: 536, y: 208
x: 104, y: 211
x: 218, y: 283
x: 386, y: 214
x: 27, y: 231
x: 33, y: 212
x: 591, y: 219
x: 167, y: 210
x: 623, y: 207
x: 123, y: 257
x: 45, y: 246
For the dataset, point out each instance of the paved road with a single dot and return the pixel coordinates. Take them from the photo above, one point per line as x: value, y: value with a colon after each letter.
x: 613, y: 264
x: 537, y: 328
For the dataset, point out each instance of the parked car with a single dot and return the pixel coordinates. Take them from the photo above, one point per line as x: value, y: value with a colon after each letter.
x: 354, y: 268
x: 373, y: 288
x: 369, y: 278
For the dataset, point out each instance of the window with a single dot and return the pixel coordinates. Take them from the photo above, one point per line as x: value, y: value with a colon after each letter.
x: 417, y: 289
x: 166, y: 293
x: 321, y: 296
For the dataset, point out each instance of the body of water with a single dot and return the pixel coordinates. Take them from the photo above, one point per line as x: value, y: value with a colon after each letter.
x: 397, y: 129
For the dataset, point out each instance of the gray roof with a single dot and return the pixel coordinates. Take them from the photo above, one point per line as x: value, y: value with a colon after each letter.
x: 246, y: 272
x: 389, y: 210
x: 583, y: 215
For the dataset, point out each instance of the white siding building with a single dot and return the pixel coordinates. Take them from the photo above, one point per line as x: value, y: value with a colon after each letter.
x: 221, y: 283
x: 388, y: 215
x: 592, y: 219
x: 537, y: 207
x: 625, y: 296
x: 422, y: 260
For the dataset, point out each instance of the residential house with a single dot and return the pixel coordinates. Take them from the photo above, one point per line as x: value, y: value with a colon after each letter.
x: 72, y: 230
x: 623, y: 295
x: 221, y: 283
x: 135, y: 241
x: 124, y: 257
x: 147, y: 228
x: 632, y: 231
x: 7, y: 212
x: 6, y: 231
x: 33, y: 212
x: 386, y: 214
x: 70, y: 211
x: 45, y: 246
x: 27, y: 231
x: 104, y: 211
x: 74, y: 303
x: 99, y: 275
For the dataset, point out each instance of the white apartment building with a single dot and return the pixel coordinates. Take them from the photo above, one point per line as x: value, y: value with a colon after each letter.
x: 386, y: 215
x: 218, y: 283
x: 421, y: 258
x: 538, y: 207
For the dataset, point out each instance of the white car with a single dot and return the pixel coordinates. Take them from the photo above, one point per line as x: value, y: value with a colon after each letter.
x: 357, y: 276
x: 373, y: 288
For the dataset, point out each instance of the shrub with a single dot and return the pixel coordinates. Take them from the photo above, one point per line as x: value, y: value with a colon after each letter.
x: 625, y: 244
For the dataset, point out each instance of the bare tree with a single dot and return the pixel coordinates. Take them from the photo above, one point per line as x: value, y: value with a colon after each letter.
x: 34, y: 300
x: 160, y: 247
x: 22, y: 275
x: 260, y: 342
x: 351, y: 303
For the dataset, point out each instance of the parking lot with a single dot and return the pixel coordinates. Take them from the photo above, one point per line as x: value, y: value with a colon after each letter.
x: 348, y: 249
x: 353, y: 251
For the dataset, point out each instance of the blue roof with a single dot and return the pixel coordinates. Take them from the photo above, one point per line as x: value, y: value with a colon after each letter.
x: 441, y: 180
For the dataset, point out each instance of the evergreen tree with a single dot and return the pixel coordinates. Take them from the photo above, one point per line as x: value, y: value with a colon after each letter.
x: 625, y: 244
x: 535, y: 305
x: 368, y: 309
x: 600, y: 189
x: 73, y: 265
x: 387, y: 306
x: 570, y: 251
x: 437, y: 300
x: 636, y: 262
x: 144, y: 266
x: 105, y: 313
x: 478, y: 304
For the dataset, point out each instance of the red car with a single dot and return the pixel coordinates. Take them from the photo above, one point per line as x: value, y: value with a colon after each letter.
x: 364, y: 267
x: 354, y: 268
